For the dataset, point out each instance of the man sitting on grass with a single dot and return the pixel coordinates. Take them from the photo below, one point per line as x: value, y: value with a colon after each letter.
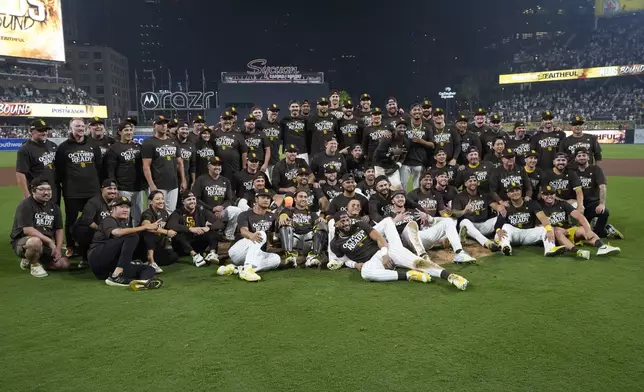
x: 37, y: 233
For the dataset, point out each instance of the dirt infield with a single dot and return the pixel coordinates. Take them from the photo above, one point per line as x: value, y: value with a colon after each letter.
x: 623, y: 167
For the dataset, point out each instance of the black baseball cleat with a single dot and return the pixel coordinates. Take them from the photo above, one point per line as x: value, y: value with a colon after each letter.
x: 150, y: 284
x: 507, y: 250
x: 118, y: 281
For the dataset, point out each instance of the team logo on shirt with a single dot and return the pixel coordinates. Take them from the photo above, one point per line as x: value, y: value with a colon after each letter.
x: 481, y: 176
x: 465, y: 146
x: 522, y: 149
x: 262, y: 225
x: 166, y: 151
x: 44, y: 220
x: 215, y: 191
x: 477, y: 206
x: 578, y: 145
x: 296, y: 126
x: 47, y: 159
x: 557, y: 218
x: 272, y: 133
x: 291, y: 175
x: 206, y: 153
x: 301, y: 219
x: 349, y: 129
x: 324, y: 126
x: 379, y: 134
x: 190, y: 221
x: 81, y: 157
x: 586, y: 181
x: 355, y: 240
x: 253, y: 142
x: 186, y: 154
x: 337, y: 114
x: 518, y: 219
x: 367, y: 120
x: 428, y: 204
x: 443, y: 137
x: 507, y: 181
x: 104, y: 214
x: 331, y: 193
x: 130, y: 154
x: 103, y: 150
x: 559, y: 185
x: 224, y: 142
x: 549, y: 142
x: 413, y: 134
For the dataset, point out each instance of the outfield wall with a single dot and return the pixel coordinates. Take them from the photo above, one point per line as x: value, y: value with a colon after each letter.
x: 14, y: 144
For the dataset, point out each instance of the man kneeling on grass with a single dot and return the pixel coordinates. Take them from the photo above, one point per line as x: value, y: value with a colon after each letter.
x: 110, y: 255
x: 363, y: 248
x: 559, y: 213
x: 37, y: 234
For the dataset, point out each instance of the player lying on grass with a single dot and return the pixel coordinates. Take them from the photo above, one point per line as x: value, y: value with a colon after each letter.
x: 559, y: 213
x: 363, y: 248
x: 519, y: 225
x: 37, y: 233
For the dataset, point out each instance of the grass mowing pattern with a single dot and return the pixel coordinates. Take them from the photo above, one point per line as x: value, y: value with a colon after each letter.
x: 525, y: 323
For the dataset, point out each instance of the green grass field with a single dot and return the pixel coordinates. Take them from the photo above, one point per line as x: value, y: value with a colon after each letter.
x: 526, y: 323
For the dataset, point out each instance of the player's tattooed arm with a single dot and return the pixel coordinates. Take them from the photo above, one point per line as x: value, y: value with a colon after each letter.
x: 602, y: 194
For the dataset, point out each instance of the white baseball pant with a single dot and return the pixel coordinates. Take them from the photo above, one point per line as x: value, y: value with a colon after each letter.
x: 410, y: 171
x: 247, y: 252
x: 411, y: 237
x: 441, y: 228
x: 242, y: 204
x: 231, y: 213
x: 479, y: 230
x: 394, y: 178
x: 138, y: 205
x: 516, y: 236
x: 171, y: 197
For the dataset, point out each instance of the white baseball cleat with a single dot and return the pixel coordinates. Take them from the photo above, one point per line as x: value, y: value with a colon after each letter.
x: 291, y: 259
x: 334, y: 264
x: 212, y: 257
x: 156, y: 267
x: 419, y: 276
x: 24, y: 264
x: 607, y: 250
x: 312, y: 261
x: 38, y: 271
x: 584, y: 254
x: 198, y: 260
x: 458, y: 281
x: 463, y: 257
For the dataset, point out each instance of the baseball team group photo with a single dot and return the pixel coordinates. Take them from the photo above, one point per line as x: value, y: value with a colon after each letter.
x: 176, y: 226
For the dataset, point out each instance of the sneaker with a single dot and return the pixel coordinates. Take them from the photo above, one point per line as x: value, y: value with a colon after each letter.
x: 212, y: 257
x: 118, y: 281
x: 150, y: 284
x: 248, y: 274
x: 312, y: 261
x: 291, y: 259
x: 418, y: 276
x: 584, y: 254
x: 492, y: 246
x: 198, y: 260
x: 24, y: 264
x: 69, y: 252
x: 463, y: 257
x: 607, y: 250
x: 555, y: 251
x: 462, y: 233
x: 225, y: 270
x: 458, y: 281
x: 507, y: 250
x: 38, y: 271
x: 612, y: 232
x: 83, y: 264
x: 334, y: 264
x: 156, y: 267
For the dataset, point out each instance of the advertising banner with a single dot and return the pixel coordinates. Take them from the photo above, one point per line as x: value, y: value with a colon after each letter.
x: 32, y: 29
x: 606, y: 136
x: 17, y: 109
x: 617, y: 7
x: 14, y: 144
x: 259, y: 72
x: 639, y: 136
x: 572, y: 74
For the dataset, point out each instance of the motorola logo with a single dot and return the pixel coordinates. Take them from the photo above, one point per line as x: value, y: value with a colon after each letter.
x: 149, y: 101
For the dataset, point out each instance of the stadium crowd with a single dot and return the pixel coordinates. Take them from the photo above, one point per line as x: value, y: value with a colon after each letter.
x: 337, y: 198
x: 68, y: 95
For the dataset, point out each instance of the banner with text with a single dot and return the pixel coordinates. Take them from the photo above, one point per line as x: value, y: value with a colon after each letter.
x: 573, y: 74
x: 32, y: 29
x: 606, y: 136
x: 617, y: 7
x: 639, y: 136
x: 45, y: 110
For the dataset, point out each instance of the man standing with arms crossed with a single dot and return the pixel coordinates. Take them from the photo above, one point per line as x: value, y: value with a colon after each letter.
x: 162, y: 164
x: 36, y: 159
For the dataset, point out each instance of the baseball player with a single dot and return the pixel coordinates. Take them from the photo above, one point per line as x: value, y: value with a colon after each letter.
x: 579, y: 139
x: 481, y: 169
x: 506, y: 174
x: 546, y: 142
x: 520, y: 143
x: 519, y: 225
x: 535, y: 174
x: 559, y: 213
x: 364, y: 249
x: 249, y: 252
x: 391, y: 153
x: 432, y: 229
x: 565, y: 182
x: 301, y: 229
x: 477, y: 221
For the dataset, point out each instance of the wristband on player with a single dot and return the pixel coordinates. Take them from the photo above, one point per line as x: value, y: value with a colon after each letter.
x: 383, y: 251
x: 548, y: 228
x: 497, y: 230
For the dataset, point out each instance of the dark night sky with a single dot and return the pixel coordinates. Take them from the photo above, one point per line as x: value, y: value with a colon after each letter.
x: 410, y: 48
